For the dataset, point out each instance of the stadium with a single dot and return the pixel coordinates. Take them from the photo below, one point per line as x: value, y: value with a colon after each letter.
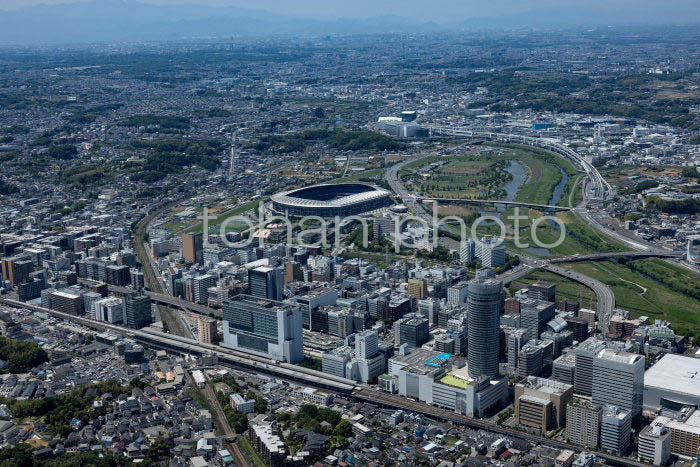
x: 330, y: 200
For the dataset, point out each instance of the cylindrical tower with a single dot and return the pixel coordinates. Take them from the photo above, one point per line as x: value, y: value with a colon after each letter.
x: 484, y: 304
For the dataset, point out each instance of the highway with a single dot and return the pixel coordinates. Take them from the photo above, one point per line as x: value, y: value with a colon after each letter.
x: 539, y: 207
x: 605, y: 296
x: 624, y: 254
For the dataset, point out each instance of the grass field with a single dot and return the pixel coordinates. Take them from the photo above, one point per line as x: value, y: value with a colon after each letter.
x: 215, y: 224
x: 373, y: 173
x: 573, y: 192
x: 580, y: 238
x: 566, y: 288
x: 480, y: 174
x: 645, y: 296
x: 466, y: 176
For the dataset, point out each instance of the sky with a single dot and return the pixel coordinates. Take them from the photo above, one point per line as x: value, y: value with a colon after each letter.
x: 429, y: 10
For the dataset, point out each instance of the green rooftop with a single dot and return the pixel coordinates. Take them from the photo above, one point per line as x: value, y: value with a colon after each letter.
x: 451, y: 380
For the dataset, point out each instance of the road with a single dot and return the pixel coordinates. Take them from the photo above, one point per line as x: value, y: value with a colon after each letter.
x: 375, y: 397
x: 308, y: 377
x: 539, y: 207
x: 605, y: 296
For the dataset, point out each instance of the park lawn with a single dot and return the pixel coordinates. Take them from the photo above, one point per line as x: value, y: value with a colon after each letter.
x: 542, y: 178
x: 579, y: 239
x: 372, y: 173
x: 569, y: 198
x: 566, y: 288
x: 644, y: 296
x: 542, y: 166
x: 214, y: 224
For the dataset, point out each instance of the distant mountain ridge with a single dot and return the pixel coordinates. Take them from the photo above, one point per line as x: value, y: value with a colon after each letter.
x: 133, y: 20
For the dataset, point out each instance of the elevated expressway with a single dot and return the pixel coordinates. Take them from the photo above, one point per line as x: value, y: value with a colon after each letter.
x: 346, y: 388
x: 539, y: 207
x: 599, y: 190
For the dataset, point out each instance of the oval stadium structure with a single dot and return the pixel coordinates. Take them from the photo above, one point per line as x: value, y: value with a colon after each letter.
x: 330, y: 200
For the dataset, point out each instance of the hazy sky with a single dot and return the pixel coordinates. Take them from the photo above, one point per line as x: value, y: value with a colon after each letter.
x: 434, y: 10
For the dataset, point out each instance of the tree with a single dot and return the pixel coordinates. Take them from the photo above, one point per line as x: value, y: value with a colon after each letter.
x: 63, y: 151
x: 344, y: 429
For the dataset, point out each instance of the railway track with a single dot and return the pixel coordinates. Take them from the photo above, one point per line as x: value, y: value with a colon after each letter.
x: 257, y: 364
x: 375, y: 397
x: 174, y: 323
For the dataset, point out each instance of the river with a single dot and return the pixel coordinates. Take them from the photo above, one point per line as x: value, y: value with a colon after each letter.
x: 519, y: 173
x: 559, y: 189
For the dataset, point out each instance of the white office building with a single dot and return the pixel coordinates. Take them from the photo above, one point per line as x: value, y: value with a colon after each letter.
x: 457, y: 294
x: 467, y: 251
x: 491, y: 251
x: 618, y: 380
x: 264, y: 327
x: 109, y: 310
x: 655, y: 443
x: 615, y: 430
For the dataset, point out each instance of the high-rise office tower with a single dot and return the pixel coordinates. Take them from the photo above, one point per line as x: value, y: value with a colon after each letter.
x: 412, y: 330
x: 370, y: 361
x: 483, y: 341
x: 541, y: 403
x: 266, y: 282
x: 534, y: 316
x: 200, y: 287
x: 457, y: 293
x: 585, y: 353
x: 366, y: 344
x: 117, y: 275
x: 192, y: 247
x: 137, y: 311
x: 564, y: 368
x: 578, y: 328
x: 293, y: 272
x: 530, y: 359
x: 17, y: 268
x: 429, y: 308
x: 516, y: 341
x: 66, y: 301
x: 618, y: 379
x: 264, y: 327
x: 109, y: 310
x: 467, y: 251
x: 545, y: 291
x: 491, y: 251
x: 569, y: 306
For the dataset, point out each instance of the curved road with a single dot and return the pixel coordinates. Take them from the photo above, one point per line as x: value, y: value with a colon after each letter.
x: 604, y: 295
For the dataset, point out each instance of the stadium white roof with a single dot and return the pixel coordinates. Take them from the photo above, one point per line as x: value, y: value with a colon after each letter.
x: 288, y: 198
x: 675, y: 373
